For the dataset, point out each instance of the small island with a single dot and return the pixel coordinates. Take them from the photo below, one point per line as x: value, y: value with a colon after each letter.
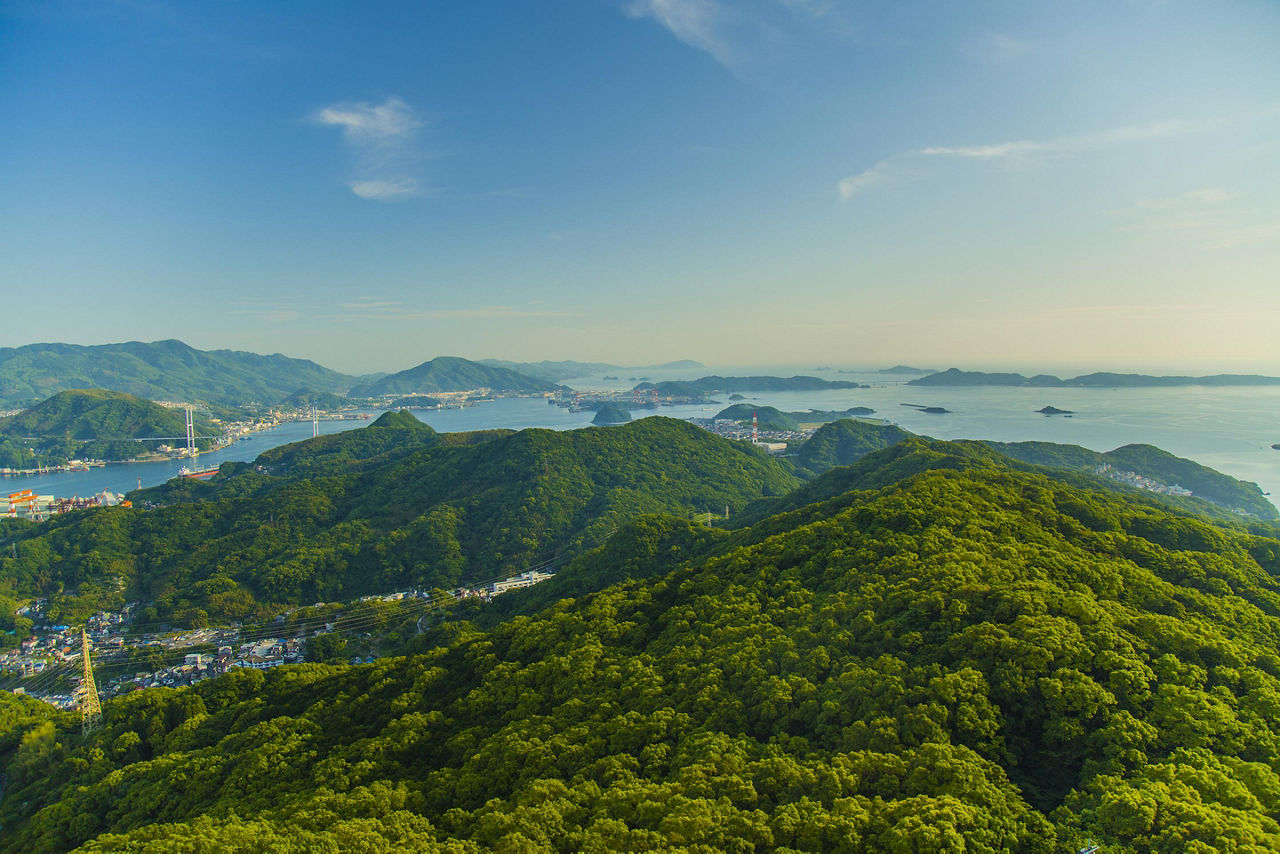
x: 1276, y: 446
x: 611, y: 413
x: 930, y: 410
x: 1053, y: 410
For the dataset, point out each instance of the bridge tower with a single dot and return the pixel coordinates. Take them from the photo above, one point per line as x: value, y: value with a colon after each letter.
x: 191, y: 434
x: 315, y: 421
x: 90, y: 707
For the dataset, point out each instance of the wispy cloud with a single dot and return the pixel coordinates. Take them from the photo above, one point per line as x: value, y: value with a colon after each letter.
x: 383, y: 140
x: 905, y: 166
x: 697, y: 23
x: 745, y: 36
x: 884, y: 173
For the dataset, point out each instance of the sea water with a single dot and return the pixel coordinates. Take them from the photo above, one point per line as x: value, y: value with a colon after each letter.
x: 1228, y: 429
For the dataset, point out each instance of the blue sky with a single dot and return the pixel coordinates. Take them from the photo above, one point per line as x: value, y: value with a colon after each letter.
x: 1048, y: 185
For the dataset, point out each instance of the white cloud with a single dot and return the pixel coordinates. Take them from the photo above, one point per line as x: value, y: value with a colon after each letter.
x: 694, y: 22
x: 371, y: 124
x: 883, y: 173
x: 382, y: 190
x: 891, y: 170
x: 383, y: 141
x: 999, y: 149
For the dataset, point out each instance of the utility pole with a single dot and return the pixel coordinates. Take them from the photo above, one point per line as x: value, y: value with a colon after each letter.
x: 90, y: 706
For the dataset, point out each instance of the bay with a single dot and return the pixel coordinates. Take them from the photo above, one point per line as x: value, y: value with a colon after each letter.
x: 1229, y: 429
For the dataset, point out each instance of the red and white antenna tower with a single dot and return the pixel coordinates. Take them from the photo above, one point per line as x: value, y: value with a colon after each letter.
x: 755, y: 429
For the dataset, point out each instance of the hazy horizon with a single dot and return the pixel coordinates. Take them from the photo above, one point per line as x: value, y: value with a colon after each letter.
x: 1058, y: 187
x: 1064, y: 370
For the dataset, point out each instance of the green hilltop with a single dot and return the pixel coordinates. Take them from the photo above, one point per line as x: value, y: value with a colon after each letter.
x: 767, y: 417
x: 93, y: 424
x: 954, y: 654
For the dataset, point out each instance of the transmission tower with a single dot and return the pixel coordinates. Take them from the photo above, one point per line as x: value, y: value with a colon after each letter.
x: 90, y: 707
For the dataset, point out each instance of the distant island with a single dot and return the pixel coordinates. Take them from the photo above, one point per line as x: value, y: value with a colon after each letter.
x: 560, y: 371
x: 905, y: 369
x: 956, y: 377
x: 931, y: 410
x: 770, y: 418
x: 1053, y: 410
x: 450, y: 373
x: 611, y: 413
x: 700, y: 389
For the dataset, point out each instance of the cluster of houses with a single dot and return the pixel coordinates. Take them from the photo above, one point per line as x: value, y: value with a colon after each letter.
x: 58, y: 647
x: 1141, y: 481
x: 771, y: 441
x: 259, y: 655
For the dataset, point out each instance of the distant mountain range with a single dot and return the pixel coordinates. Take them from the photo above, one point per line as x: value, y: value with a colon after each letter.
x: 905, y: 369
x: 160, y: 370
x: 956, y: 377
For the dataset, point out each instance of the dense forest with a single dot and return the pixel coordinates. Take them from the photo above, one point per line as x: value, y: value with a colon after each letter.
x: 159, y: 370
x: 952, y: 654
x: 94, y: 424
x: 392, y: 506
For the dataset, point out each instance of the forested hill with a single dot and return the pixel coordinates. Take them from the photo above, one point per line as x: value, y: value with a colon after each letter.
x: 450, y: 373
x: 976, y: 659
x: 160, y: 370
x: 389, y: 507
x: 845, y: 442
x: 92, y: 424
x: 1236, y: 496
